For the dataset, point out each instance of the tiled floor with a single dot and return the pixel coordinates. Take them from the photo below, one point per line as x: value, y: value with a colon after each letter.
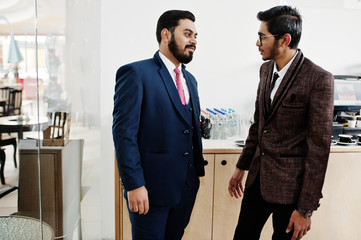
x: 90, y: 205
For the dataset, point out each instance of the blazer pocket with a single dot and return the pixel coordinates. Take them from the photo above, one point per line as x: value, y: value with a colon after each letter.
x: 293, y: 105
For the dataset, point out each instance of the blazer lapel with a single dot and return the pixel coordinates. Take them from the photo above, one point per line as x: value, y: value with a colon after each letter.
x: 266, y: 95
x: 170, y: 86
x: 287, y: 81
x: 192, y: 91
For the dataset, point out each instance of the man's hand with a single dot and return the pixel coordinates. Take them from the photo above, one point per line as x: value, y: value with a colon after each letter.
x: 235, y: 187
x: 138, y: 200
x: 300, y: 225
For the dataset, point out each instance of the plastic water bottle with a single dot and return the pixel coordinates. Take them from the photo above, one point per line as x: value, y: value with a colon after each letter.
x: 222, y: 124
x: 235, y: 122
x: 214, y: 121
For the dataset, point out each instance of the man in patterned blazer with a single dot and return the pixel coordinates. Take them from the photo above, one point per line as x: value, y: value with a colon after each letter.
x: 288, y: 145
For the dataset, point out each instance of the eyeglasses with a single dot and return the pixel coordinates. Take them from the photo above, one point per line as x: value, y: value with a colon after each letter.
x: 260, y: 37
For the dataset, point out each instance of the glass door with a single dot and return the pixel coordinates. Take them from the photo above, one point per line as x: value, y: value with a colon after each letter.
x: 50, y: 121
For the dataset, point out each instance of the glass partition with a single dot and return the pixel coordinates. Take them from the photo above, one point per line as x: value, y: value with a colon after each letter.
x: 49, y: 119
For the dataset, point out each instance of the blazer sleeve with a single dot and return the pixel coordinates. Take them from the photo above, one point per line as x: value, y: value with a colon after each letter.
x: 126, y: 118
x: 318, y: 141
x: 250, y: 147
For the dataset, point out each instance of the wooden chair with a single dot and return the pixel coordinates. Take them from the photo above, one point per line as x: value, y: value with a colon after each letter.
x: 9, y: 140
x: 2, y: 165
x: 14, y: 102
x: 4, y: 97
x: 58, y: 121
x: 13, y: 107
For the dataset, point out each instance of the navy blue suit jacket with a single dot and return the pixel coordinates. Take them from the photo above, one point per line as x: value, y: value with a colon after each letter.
x: 149, y: 123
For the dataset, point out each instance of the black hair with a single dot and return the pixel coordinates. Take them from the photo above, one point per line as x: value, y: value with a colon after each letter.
x: 281, y: 20
x: 170, y: 19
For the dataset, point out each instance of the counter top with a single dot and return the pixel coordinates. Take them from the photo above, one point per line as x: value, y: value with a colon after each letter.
x: 229, y: 146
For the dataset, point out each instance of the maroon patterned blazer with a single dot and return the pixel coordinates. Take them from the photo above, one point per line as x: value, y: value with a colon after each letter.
x: 289, y: 142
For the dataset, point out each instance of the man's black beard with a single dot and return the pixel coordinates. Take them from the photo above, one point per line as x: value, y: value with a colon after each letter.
x: 273, y: 52
x: 176, y: 51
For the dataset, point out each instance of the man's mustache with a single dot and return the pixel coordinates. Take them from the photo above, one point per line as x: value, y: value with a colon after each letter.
x: 191, y: 46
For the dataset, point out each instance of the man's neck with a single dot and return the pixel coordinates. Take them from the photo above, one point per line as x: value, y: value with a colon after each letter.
x: 284, y: 58
x: 165, y: 51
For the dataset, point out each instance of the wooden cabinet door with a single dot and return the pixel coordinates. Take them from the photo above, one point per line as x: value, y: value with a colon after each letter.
x: 127, y: 227
x: 200, y: 225
x: 339, y: 214
x: 123, y: 228
x: 226, y: 208
x: 51, y: 187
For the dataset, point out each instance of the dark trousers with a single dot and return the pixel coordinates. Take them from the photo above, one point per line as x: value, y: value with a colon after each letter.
x: 167, y: 222
x: 254, y: 213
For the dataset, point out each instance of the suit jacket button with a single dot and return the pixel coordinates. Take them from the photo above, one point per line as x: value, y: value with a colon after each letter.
x: 265, y: 131
x: 262, y: 153
x: 185, y: 154
x: 186, y: 132
x: 190, y: 109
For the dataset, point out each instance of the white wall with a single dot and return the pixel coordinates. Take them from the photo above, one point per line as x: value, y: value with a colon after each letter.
x: 226, y: 61
x: 82, y: 60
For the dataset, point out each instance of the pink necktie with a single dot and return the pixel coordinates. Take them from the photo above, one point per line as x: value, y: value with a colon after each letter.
x: 179, y: 86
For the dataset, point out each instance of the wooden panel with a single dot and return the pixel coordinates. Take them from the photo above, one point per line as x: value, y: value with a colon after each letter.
x: 123, y: 228
x: 118, y: 203
x: 223, y: 151
x: 127, y: 227
x: 226, y: 208
x: 200, y: 225
x: 201, y: 221
x: 339, y: 214
x: 28, y: 196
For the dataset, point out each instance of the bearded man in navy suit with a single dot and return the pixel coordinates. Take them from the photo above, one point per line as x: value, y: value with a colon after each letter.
x: 156, y: 132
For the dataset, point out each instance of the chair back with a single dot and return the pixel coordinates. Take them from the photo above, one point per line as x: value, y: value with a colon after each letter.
x: 4, y: 98
x: 4, y: 93
x: 58, y: 121
x: 14, y: 102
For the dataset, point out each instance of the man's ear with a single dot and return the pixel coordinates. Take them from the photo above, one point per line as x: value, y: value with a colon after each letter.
x: 286, y: 39
x: 166, y: 35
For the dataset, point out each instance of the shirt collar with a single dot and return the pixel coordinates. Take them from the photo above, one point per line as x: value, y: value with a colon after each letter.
x: 283, y: 71
x: 169, y: 65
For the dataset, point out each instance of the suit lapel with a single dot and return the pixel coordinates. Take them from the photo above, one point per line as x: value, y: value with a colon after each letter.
x: 287, y: 81
x: 192, y: 90
x: 266, y: 95
x: 170, y: 86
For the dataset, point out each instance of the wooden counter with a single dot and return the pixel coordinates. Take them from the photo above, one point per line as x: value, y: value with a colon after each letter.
x: 215, y: 213
x: 228, y: 147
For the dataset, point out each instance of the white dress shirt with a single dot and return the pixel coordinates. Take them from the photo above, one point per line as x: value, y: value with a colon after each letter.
x: 170, y: 66
x: 281, y: 74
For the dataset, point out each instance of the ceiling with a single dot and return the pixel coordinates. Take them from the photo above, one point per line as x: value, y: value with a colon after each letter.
x: 20, y: 14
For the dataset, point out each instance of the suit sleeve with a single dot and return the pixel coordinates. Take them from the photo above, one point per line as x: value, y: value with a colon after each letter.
x: 318, y: 141
x: 126, y: 118
x: 250, y: 147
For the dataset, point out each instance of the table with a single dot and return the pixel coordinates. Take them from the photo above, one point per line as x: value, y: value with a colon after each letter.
x: 17, y: 86
x: 20, y: 227
x: 20, y: 123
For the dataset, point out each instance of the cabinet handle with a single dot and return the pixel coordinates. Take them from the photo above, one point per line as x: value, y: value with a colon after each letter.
x: 205, y: 162
x: 224, y: 162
